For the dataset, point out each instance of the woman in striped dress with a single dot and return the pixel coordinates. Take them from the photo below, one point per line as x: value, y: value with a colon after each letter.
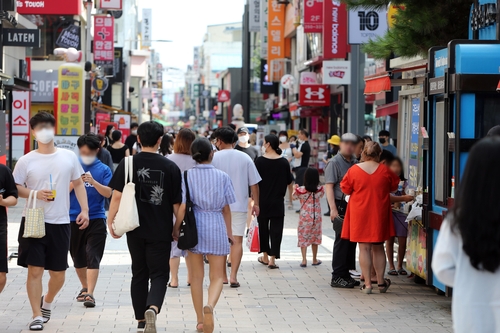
x: 211, y: 192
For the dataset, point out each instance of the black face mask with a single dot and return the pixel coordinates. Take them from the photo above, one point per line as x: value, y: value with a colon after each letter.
x: 382, y: 140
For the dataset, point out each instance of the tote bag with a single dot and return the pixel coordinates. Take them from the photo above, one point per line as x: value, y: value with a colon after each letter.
x: 188, y: 236
x: 127, y: 218
x: 34, y: 222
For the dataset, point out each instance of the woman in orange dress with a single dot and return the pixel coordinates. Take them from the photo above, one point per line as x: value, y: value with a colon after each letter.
x: 368, y: 220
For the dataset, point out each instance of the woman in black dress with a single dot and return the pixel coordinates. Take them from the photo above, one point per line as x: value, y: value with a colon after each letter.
x: 118, y: 150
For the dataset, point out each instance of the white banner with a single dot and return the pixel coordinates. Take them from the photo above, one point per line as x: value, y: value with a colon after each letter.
x: 263, y: 28
x: 20, y: 112
x: 146, y: 26
x: 254, y: 16
x: 336, y: 72
x: 366, y: 24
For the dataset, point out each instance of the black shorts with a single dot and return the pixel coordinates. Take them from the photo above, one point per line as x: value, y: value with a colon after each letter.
x: 50, y: 252
x: 3, y: 250
x: 87, y: 246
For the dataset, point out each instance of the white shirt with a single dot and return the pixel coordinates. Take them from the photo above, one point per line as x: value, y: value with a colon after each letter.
x: 137, y: 148
x: 34, y: 170
x: 242, y: 171
x: 476, y: 294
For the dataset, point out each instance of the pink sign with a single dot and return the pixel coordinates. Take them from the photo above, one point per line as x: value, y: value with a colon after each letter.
x: 104, y: 53
x: 101, y: 117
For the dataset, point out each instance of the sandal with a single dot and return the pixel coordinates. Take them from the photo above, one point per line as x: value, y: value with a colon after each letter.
x: 303, y: 265
x: 393, y: 272
x: 45, y: 313
x: 319, y: 262
x: 273, y: 266
x: 366, y: 290
x: 384, y: 286
x: 171, y: 286
x: 89, y: 301
x: 36, y: 324
x: 198, y: 328
x: 261, y: 260
x: 402, y: 272
x: 80, y: 297
x: 208, y: 319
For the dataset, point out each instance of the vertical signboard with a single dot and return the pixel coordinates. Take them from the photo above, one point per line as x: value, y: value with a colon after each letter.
x: 196, y: 59
x: 146, y: 27
x: 20, y: 112
x: 70, y: 100
x: 276, y: 32
x: 264, y: 9
x: 254, y: 17
x: 313, y: 16
x: 415, y: 128
x: 334, y: 29
x: 104, y: 51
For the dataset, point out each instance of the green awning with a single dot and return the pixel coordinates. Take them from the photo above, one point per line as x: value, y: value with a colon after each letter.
x: 164, y: 123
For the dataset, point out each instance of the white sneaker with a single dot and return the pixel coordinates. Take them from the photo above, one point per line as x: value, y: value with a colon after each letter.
x: 355, y: 273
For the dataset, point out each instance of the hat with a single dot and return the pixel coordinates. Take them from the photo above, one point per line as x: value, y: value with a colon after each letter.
x: 334, y: 140
x: 242, y: 130
x: 349, y: 137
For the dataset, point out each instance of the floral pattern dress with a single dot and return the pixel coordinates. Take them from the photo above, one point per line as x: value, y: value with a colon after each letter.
x: 310, y: 220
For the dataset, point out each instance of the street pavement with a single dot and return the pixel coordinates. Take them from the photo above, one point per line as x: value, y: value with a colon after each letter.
x: 288, y: 300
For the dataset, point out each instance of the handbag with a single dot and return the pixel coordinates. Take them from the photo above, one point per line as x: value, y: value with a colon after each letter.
x: 253, y: 240
x: 188, y: 236
x: 34, y: 222
x: 127, y: 217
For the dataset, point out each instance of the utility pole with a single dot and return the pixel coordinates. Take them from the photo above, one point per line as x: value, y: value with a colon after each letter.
x: 356, y: 99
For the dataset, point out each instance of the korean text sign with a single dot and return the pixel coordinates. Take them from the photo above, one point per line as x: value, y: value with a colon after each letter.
x: 414, y: 150
x: 276, y: 31
x: 334, y: 29
x: 264, y: 12
x: 70, y: 100
x: 104, y: 50
x: 313, y: 16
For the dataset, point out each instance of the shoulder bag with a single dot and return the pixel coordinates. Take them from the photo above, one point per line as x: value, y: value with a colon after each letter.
x: 188, y: 236
x: 127, y: 217
x: 34, y: 222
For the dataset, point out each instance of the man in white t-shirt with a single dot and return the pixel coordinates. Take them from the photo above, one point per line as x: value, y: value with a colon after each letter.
x: 50, y: 171
x: 243, y: 173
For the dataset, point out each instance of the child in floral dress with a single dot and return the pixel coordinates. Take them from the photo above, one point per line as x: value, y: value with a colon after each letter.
x: 310, y: 220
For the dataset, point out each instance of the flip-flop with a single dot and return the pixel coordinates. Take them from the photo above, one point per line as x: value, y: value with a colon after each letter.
x: 171, y: 286
x: 273, y: 266
x: 303, y: 265
x: 392, y: 272
x: 402, y: 272
x: 318, y: 263
x: 235, y: 285
x: 261, y: 260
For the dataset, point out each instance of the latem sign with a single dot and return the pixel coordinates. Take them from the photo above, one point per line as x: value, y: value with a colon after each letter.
x: 49, y: 7
x: 21, y: 37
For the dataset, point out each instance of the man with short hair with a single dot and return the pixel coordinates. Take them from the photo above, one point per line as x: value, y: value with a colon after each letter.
x: 132, y: 138
x: 302, y: 154
x: 243, y: 173
x: 384, y: 137
x: 50, y: 171
x: 274, y: 132
x: 334, y: 173
x: 158, y: 195
x: 244, y: 143
x: 87, y: 246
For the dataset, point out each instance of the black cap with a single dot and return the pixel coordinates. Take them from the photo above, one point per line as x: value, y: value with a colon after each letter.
x: 243, y: 130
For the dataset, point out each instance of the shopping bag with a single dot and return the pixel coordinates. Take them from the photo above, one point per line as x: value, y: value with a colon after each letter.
x: 253, y: 242
x: 34, y: 222
x: 127, y: 217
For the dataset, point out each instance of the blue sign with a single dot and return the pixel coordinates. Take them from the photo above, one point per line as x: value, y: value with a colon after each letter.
x: 440, y: 62
x: 415, y: 130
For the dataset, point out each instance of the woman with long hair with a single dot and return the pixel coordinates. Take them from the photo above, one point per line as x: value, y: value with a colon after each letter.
x: 167, y: 141
x: 276, y: 176
x: 369, y: 185
x: 108, y: 136
x: 467, y: 253
x: 211, y: 192
x: 117, y: 149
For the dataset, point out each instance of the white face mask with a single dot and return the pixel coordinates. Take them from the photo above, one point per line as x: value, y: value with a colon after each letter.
x: 134, y: 132
x: 45, y: 135
x: 88, y: 160
x: 263, y: 149
x: 282, y: 139
x: 244, y: 138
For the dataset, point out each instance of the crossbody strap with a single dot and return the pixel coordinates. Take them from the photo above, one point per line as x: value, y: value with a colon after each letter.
x: 188, y: 196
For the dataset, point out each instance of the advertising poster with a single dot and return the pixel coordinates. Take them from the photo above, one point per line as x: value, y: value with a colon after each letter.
x: 123, y: 121
x: 70, y: 101
x: 101, y: 117
x: 415, y: 128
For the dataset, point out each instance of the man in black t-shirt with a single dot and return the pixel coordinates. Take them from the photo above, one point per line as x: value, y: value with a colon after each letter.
x: 132, y: 138
x: 244, y: 144
x: 302, y: 154
x: 8, y: 198
x: 158, y: 194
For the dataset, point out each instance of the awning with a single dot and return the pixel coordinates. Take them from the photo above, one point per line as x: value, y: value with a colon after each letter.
x: 377, y: 85
x: 161, y: 122
x: 390, y: 109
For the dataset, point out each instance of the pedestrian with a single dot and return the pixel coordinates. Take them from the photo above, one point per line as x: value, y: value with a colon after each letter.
x: 333, y: 148
x: 166, y: 145
x: 310, y: 221
x: 158, y: 194
x: 49, y: 171
x: 211, y: 192
x: 87, y: 245
x: 108, y: 136
x: 118, y: 150
x: 182, y: 158
x: 243, y: 173
x: 288, y: 155
x: 302, y: 154
x: 369, y: 185
x: 276, y: 176
x: 8, y: 198
x: 367, y: 138
x: 273, y: 132
x: 132, y: 138
x: 343, y: 249
x: 253, y: 143
x: 467, y: 253
x: 359, y: 148
x: 384, y: 137
x: 104, y: 155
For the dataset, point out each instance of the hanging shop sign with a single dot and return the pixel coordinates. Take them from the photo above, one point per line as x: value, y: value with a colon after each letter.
x: 334, y: 29
x: 146, y: 26
x: 20, y: 112
x: 264, y: 15
x: 104, y: 54
x: 49, y: 7
x: 314, y: 95
x: 313, y: 16
x: 366, y: 24
x: 70, y: 101
x: 21, y: 37
x: 254, y: 16
x: 336, y: 72
x: 276, y: 31
x: 100, y: 84
x: 223, y: 96
x: 110, y: 4
x: 287, y: 81
x: 69, y: 37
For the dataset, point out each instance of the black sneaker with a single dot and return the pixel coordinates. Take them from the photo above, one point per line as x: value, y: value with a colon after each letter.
x: 340, y: 282
x: 356, y: 282
x: 140, y: 326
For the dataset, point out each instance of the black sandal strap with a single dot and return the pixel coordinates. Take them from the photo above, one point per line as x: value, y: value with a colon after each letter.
x: 36, y: 325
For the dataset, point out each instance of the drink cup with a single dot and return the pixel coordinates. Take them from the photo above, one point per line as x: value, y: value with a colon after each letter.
x: 52, y: 187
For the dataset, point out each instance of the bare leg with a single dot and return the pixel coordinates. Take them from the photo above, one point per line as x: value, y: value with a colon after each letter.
x: 56, y: 282
x: 401, y: 251
x: 188, y: 270
x: 174, y: 271
x: 304, y: 255
x: 290, y: 193
x: 374, y: 273
x: 34, y: 289
x: 379, y: 262
x: 197, y: 274
x: 3, y: 280
x: 272, y: 260
x: 390, y: 252
x: 92, y: 275
x: 82, y: 276
x: 314, y: 248
x: 365, y: 261
x: 216, y: 279
x: 249, y: 214
x: 236, y: 255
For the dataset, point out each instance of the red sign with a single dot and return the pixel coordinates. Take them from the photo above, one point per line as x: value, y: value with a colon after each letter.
x: 224, y: 96
x: 104, y: 51
x: 49, y: 7
x: 313, y: 15
x: 100, y: 117
x: 334, y: 30
x: 314, y: 95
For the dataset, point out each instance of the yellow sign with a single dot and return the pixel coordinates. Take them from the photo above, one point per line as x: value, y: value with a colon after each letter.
x: 37, y: 108
x: 392, y: 12
x: 70, y: 100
